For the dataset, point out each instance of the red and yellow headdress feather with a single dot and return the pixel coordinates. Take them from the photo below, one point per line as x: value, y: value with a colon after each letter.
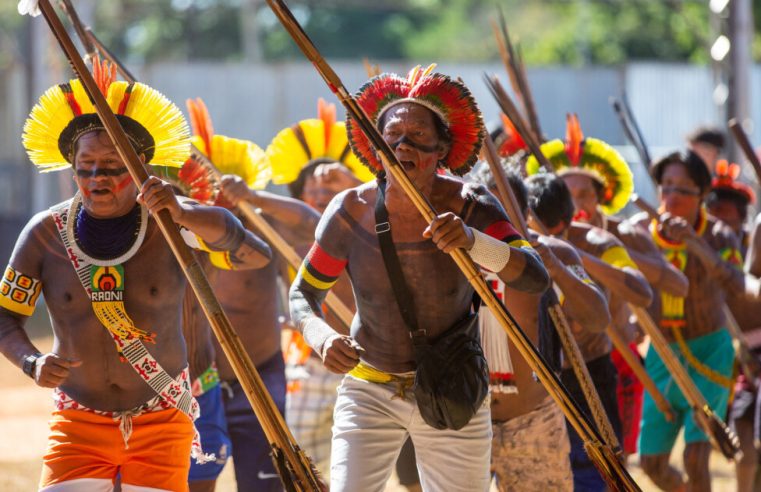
x: 447, y: 98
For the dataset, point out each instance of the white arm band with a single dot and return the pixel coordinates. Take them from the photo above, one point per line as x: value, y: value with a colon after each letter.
x: 489, y: 252
x: 316, y: 332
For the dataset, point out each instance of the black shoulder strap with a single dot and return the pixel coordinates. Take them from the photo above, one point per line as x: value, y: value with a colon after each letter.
x: 394, y: 268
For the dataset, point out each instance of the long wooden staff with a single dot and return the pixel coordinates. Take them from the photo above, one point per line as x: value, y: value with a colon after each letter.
x: 563, y: 327
x: 748, y: 362
x: 516, y: 71
x: 719, y: 434
x: 295, y: 469
x: 742, y: 139
x: 623, y: 348
x: 253, y: 215
x: 612, y: 469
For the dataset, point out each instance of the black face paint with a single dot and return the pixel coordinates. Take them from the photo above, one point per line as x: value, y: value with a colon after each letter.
x: 679, y: 190
x: 94, y: 173
x: 429, y: 149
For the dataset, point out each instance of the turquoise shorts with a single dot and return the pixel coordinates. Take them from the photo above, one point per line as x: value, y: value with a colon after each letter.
x: 658, y: 435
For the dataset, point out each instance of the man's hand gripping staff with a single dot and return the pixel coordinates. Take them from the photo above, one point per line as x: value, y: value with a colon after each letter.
x: 606, y: 460
x: 295, y: 468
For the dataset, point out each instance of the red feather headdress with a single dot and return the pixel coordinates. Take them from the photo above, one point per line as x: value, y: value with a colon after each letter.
x: 449, y: 99
x: 726, y: 179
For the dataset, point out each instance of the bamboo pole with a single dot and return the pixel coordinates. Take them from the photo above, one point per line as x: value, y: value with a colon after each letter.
x: 284, y: 449
x: 611, y: 468
x: 281, y: 246
x: 559, y: 319
x: 742, y: 139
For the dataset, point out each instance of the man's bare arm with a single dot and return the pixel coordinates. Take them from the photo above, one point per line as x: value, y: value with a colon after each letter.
x: 318, y: 273
x: 293, y: 219
x: 583, y: 300
x: 626, y: 281
x: 661, y: 274
x: 219, y: 229
x: 20, y: 288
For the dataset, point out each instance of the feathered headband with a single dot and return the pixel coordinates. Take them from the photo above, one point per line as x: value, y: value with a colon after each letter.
x: 725, y: 179
x: 228, y: 155
x: 593, y: 158
x: 448, y: 99
x: 309, y: 140
x: 153, y: 124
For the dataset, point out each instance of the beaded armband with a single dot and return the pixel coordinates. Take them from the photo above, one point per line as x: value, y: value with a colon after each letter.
x: 19, y: 292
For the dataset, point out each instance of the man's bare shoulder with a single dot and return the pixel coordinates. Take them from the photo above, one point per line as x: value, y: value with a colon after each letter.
x: 635, y: 238
x: 39, y: 237
x: 474, y: 203
x: 564, y: 251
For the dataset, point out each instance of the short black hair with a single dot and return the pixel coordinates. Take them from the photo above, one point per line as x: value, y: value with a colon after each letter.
x: 709, y: 135
x: 550, y: 199
x: 296, y: 187
x: 484, y: 176
x: 739, y: 200
x: 693, y: 164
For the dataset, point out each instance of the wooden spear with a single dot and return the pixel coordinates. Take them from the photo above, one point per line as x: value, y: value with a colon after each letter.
x: 746, y: 146
x: 295, y: 469
x: 559, y: 319
x: 516, y: 71
x: 611, y: 468
x: 252, y: 214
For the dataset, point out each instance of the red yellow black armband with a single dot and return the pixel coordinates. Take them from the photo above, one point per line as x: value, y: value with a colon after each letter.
x: 319, y: 269
x: 19, y: 292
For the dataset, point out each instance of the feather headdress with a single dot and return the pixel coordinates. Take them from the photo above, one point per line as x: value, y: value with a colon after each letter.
x: 321, y: 138
x: 153, y: 124
x: 447, y: 98
x: 509, y: 142
x: 725, y: 179
x: 593, y: 158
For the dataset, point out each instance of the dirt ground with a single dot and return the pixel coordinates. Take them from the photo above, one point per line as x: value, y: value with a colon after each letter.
x: 26, y: 408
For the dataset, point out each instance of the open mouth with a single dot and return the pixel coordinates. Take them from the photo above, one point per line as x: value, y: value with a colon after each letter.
x: 100, y: 191
x: 407, y: 165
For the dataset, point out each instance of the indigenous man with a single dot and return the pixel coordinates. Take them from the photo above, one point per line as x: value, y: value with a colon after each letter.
x: 255, y: 314
x: 600, y: 183
x: 607, y: 261
x: 314, y: 159
x: 430, y: 120
x: 102, y: 263
x: 728, y: 201
x: 694, y: 324
x: 530, y: 448
x: 708, y: 143
x: 245, y: 160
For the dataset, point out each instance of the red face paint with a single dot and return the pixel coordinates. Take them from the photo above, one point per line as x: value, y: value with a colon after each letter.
x: 123, y: 184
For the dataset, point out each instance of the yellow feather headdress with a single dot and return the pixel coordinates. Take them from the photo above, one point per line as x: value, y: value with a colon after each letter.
x: 309, y: 140
x: 229, y: 155
x: 154, y: 125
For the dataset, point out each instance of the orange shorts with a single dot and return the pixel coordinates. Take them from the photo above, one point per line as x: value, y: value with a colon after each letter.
x: 85, y: 445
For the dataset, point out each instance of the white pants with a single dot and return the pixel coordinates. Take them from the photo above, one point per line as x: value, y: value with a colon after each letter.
x: 95, y: 485
x: 369, y: 428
